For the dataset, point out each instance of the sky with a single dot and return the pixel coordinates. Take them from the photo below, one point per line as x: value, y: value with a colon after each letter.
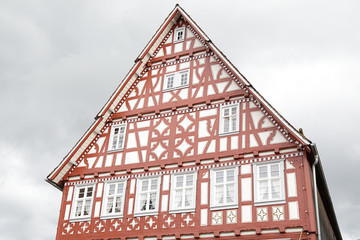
x: 61, y: 60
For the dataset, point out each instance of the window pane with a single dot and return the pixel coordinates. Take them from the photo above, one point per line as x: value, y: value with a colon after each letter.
x: 81, y: 192
x: 219, y: 194
x: 183, y: 79
x: 153, y: 184
x: 170, y: 81
x: 178, y: 198
x: 233, y: 123
x: 188, y: 197
x: 264, y: 190
x: 230, y: 193
x: 275, y: 189
x: 230, y: 175
x: 189, y: 180
x: 263, y: 171
x: 233, y: 110
x: 78, y: 208
x: 274, y: 170
x: 120, y: 188
x: 179, y: 181
x: 118, y: 205
x: 152, y: 201
x: 111, y: 189
x: 219, y: 176
x: 109, y: 206
x: 145, y: 185
x: 143, y: 202
x: 87, y: 207
x: 89, y: 191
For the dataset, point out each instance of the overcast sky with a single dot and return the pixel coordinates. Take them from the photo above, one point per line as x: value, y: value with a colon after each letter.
x: 61, y: 60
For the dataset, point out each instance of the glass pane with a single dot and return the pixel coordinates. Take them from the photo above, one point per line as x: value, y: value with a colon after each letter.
x: 183, y: 79
x: 219, y: 176
x: 188, y: 197
x: 152, y: 201
x: 143, y: 202
x: 233, y: 110
x: 178, y: 198
x: 274, y: 170
x: 263, y: 190
x: 81, y: 192
x: 115, y: 139
x: 116, y: 131
x: 170, y: 81
x: 120, y: 188
x: 89, y: 191
x: 145, y: 185
x: 233, y: 123
x: 153, y: 184
x: 109, y: 206
x: 226, y: 112
x: 78, y: 208
x: 230, y: 175
x: 179, y: 181
x: 226, y: 124
x: 118, y: 205
x: 230, y: 193
x: 189, y: 180
x: 219, y: 194
x: 263, y: 171
x: 275, y: 189
x: 111, y: 189
x: 87, y: 207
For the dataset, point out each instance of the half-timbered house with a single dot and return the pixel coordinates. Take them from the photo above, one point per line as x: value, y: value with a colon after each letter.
x: 186, y: 148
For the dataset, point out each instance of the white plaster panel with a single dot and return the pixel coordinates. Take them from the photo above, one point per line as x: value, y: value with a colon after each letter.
x: 203, y: 131
x: 231, y: 216
x: 224, y: 74
x: 201, y: 70
x: 156, y: 84
x: 201, y: 146
x: 132, y: 103
x: 245, y: 169
x: 166, y: 183
x: 208, y: 112
x: 211, y: 146
x: 267, y: 123
x: 210, y: 90
x: 132, y: 186
x: 109, y: 160
x: 97, y: 209
x: 188, y: 43
x: 246, y: 193
x: 244, y: 122
x: 92, y: 150
x: 264, y: 136
x: 204, y: 217
x: 262, y: 214
x: 166, y: 97
x: 99, y: 190
x: 131, y: 157
x: 164, y: 203
x: 160, y: 53
x: 130, y: 126
x: 178, y: 47
x: 123, y: 108
x: 143, y: 153
x: 169, y: 40
x: 195, y: 79
x: 233, y: 86
x: 67, y: 212
x: 204, y: 193
x: 130, y: 206
x: 143, y: 137
x: 201, y: 61
x: 197, y: 43
x: 91, y: 161
x: 185, y: 123
x: 118, y: 159
x: 212, y: 59
x: 140, y: 103
x: 200, y: 92
x: 184, y: 65
x: 70, y: 193
x: 291, y: 184
x: 293, y: 210
x: 131, y: 141
x: 100, y: 142
x: 183, y: 94
x: 243, y: 142
x: 246, y: 213
x: 223, y: 144
x: 171, y: 68
x: 189, y: 33
x: 217, y: 218
x: 253, y: 142
x: 289, y: 165
x: 150, y: 102
x: 278, y: 138
x: 168, y: 49
x: 221, y: 86
x: 256, y: 116
x: 99, y: 162
x: 234, y: 142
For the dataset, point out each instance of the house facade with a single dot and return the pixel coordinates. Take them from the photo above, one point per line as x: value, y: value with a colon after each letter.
x: 186, y: 148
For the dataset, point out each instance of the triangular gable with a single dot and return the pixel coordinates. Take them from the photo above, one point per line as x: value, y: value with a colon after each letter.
x: 122, y: 93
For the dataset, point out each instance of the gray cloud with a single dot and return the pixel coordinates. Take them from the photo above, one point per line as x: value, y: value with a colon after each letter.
x: 60, y: 61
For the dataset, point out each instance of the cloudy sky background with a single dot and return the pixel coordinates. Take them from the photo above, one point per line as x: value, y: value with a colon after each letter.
x: 61, y: 60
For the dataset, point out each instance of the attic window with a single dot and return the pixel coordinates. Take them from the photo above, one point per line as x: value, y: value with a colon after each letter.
x: 176, y: 80
x: 117, y: 137
x: 179, y: 34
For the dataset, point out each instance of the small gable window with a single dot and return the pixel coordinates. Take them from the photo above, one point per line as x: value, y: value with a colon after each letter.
x: 179, y: 34
x: 117, y: 137
x: 82, y: 204
x: 229, y: 119
x: 176, y: 80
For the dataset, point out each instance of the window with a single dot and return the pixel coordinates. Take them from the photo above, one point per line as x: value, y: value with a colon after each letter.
x: 183, y: 192
x: 176, y: 80
x: 114, y: 196
x: 224, y: 188
x: 229, y: 120
x: 269, y: 182
x: 82, y: 204
x: 179, y: 34
x: 147, y: 196
x: 117, y: 137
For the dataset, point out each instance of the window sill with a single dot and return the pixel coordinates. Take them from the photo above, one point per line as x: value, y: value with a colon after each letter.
x: 264, y: 203
x: 224, y: 207
x: 182, y: 210
x: 145, y: 214
x: 175, y: 88
x: 80, y: 219
x: 111, y: 216
x: 229, y: 133
x: 115, y: 150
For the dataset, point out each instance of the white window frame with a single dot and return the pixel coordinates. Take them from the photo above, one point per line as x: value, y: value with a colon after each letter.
x: 107, y: 196
x: 176, y: 32
x: 174, y: 188
x: 269, y: 179
x: 231, y: 123
x: 139, y: 192
x: 213, y: 184
x: 176, y: 80
x: 112, y: 135
x: 76, y: 199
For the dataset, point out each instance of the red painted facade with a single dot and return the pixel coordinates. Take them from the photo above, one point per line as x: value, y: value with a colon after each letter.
x: 170, y: 131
